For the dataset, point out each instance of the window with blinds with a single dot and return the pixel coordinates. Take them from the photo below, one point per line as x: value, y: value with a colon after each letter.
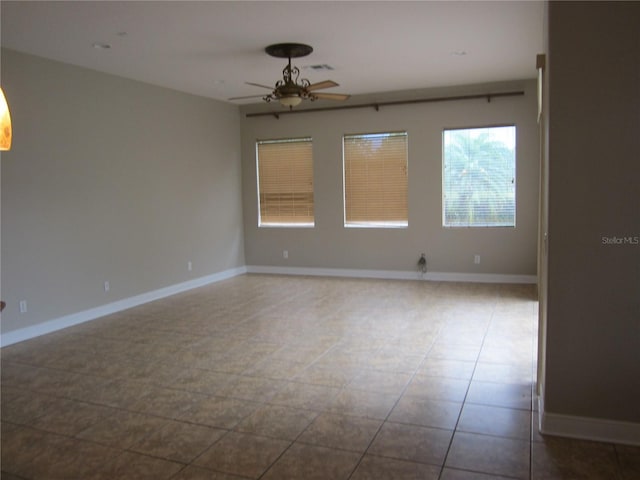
x: 375, y: 180
x: 285, y: 182
x: 479, y: 177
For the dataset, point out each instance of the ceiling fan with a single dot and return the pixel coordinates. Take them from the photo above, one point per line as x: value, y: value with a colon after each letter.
x: 290, y: 91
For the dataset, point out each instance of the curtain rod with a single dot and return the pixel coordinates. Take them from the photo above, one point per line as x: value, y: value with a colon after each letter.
x: 377, y: 105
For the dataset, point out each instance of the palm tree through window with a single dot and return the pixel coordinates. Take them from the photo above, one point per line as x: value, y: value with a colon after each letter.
x: 479, y: 177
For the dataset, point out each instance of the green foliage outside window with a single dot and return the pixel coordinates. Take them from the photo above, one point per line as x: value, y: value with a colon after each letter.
x: 479, y: 173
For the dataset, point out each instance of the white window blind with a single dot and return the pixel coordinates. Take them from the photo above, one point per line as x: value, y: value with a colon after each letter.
x: 479, y: 174
x: 285, y: 182
x: 375, y: 179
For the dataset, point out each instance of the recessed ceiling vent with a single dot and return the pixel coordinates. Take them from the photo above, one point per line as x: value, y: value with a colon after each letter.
x: 323, y: 66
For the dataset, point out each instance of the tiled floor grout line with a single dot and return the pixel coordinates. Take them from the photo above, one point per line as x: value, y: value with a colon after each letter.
x: 386, y: 418
x: 117, y: 451
x: 117, y: 367
x: 464, y: 400
x: 404, y: 389
x: 292, y: 442
x: 534, y: 387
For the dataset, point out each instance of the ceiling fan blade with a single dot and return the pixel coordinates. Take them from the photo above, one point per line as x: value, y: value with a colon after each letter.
x: 258, y: 85
x: 331, y: 96
x: 323, y: 84
x: 246, y: 96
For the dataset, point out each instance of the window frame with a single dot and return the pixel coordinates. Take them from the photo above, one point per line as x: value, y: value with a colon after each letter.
x: 513, y: 180
x: 380, y: 224
x: 272, y: 224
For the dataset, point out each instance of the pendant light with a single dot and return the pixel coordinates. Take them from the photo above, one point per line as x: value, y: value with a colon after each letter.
x: 5, y: 123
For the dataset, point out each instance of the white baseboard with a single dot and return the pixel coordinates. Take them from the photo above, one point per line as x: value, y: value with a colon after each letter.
x: 53, y: 325
x: 394, y: 274
x: 586, y: 428
x: 59, y: 323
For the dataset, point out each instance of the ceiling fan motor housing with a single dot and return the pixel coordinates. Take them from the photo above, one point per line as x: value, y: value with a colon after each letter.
x: 288, y: 50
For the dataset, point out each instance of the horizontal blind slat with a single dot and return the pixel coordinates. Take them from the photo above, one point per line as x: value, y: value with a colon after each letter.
x: 375, y: 169
x: 285, y: 181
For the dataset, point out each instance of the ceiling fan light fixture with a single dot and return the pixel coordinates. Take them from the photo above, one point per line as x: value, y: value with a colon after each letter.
x: 290, y: 101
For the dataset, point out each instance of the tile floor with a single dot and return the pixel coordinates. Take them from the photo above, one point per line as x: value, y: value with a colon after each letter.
x: 273, y: 377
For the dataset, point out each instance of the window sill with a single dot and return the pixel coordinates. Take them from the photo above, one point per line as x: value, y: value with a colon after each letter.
x: 393, y: 226
x: 478, y: 226
x: 287, y: 225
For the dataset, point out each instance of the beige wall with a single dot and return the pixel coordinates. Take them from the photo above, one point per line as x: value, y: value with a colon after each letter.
x: 329, y: 244
x: 593, y: 317
x: 111, y: 180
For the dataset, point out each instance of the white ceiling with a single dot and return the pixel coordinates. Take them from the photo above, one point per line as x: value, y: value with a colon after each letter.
x: 211, y: 48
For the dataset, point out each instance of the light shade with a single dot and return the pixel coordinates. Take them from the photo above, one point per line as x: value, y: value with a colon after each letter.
x: 290, y: 100
x: 5, y: 123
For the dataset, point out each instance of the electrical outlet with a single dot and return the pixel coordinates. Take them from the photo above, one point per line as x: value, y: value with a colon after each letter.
x: 23, y: 306
x: 189, y: 266
x: 476, y: 259
x: 107, y: 287
x: 285, y: 254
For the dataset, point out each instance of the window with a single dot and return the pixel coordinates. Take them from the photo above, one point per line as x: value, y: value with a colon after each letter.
x: 478, y: 180
x: 375, y: 180
x: 285, y: 182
